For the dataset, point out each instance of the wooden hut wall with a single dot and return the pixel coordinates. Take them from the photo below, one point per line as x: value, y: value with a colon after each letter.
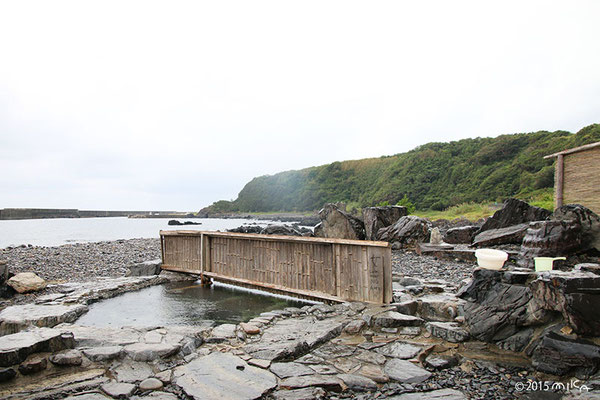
x: 581, y: 179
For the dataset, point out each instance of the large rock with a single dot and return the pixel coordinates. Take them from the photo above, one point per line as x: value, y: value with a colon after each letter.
x: 284, y: 230
x: 25, y: 282
x: 550, y: 239
x: 587, y: 219
x: 559, y: 355
x: 461, y: 234
x: 407, y: 231
x: 376, y: 218
x: 146, y: 268
x: 576, y: 295
x: 16, y: 318
x: 493, y: 237
x: 496, y: 310
x: 223, y: 376
x: 16, y: 347
x: 514, y: 212
x: 336, y: 223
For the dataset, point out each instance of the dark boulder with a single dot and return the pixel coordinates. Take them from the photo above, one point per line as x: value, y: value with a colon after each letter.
x: 145, y: 268
x: 462, y: 234
x: 376, y: 218
x: 494, y: 237
x: 495, y: 311
x: 246, y: 229
x: 514, y: 212
x: 550, y: 239
x: 559, y: 355
x: 284, y: 230
x: 5, y: 290
x: 587, y: 219
x: 336, y: 223
x: 175, y: 222
x: 408, y: 231
x: 576, y: 295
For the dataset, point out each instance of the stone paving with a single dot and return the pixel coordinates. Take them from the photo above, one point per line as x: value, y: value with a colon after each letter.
x: 413, y: 349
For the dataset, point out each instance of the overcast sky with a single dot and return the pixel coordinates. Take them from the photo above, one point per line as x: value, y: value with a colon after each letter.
x: 174, y: 105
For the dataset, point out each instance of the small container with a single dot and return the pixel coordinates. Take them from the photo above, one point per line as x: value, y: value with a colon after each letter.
x: 545, y: 263
x: 491, y: 258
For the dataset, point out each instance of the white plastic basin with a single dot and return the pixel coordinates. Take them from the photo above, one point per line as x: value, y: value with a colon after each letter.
x: 491, y: 258
x: 545, y: 263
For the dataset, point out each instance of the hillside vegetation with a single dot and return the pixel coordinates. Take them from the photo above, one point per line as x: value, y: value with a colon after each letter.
x: 434, y: 176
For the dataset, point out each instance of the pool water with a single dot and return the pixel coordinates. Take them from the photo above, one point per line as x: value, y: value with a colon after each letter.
x: 184, y: 303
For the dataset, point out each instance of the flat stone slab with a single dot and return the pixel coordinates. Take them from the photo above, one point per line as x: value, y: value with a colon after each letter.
x: 150, y: 351
x: 88, y: 396
x: 405, y: 371
x: 223, y: 376
x: 16, y: 347
x: 103, y: 353
x: 442, y: 394
x: 358, y: 383
x: 94, y: 336
x: 222, y: 332
x: 292, y: 337
x: 399, y: 350
x: 16, y: 318
x: 156, y: 396
x: 285, y: 370
x: 393, y: 319
x: 67, y: 358
x: 310, y: 393
x: 327, y: 382
x: 449, y: 331
x: 132, y: 371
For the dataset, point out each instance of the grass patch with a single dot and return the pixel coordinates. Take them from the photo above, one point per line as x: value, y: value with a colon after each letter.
x: 543, y: 198
x: 470, y: 211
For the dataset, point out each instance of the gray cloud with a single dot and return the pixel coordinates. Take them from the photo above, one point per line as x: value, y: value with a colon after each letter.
x: 129, y: 105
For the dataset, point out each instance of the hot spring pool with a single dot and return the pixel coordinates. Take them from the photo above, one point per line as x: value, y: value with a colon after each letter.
x: 184, y: 303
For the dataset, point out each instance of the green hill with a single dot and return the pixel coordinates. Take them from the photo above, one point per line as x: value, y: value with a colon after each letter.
x: 433, y: 176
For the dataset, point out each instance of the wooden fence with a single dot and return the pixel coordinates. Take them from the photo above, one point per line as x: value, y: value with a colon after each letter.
x: 325, y: 269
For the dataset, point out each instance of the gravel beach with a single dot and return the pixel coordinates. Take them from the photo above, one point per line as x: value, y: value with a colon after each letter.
x: 82, y: 261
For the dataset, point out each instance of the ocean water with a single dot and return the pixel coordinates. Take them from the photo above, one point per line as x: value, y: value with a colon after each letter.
x: 59, y: 231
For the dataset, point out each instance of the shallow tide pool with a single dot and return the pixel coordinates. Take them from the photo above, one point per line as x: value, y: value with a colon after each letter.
x: 184, y: 303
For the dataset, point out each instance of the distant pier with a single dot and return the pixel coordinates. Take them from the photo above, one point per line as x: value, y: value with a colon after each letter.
x: 42, y: 213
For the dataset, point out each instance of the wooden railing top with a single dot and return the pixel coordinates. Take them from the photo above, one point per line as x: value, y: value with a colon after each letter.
x: 279, y: 238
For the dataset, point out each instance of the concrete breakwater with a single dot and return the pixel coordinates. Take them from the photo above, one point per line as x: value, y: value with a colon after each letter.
x: 41, y: 213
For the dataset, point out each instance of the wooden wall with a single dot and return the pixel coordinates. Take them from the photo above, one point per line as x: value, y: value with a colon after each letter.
x: 581, y: 179
x: 329, y: 269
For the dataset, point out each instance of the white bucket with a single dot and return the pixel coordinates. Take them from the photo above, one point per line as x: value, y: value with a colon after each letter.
x: 491, y: 258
